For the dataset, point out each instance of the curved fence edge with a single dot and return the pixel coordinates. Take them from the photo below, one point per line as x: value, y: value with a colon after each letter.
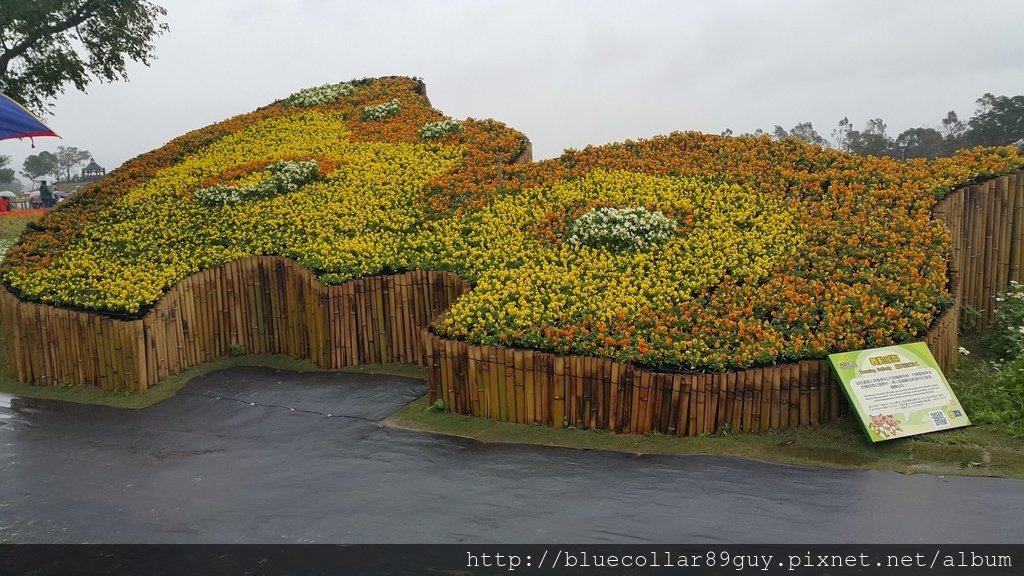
x: 273, y: 305
x: 257, y: 305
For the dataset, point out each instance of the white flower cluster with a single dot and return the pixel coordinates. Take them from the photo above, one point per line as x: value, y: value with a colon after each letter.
x: 380, y: 111
x: 1007, y: 334
x: 434, y: 130
x: 319, y: 95
x: 285, y: 176
x: 621, y: 228
x: 5, y: 245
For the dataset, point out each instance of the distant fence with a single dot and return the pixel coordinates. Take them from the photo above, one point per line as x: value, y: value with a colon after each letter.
x: 270, y: 304
x: 262, y: 305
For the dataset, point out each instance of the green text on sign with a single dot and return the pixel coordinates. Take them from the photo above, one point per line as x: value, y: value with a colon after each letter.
x: 898, y: 391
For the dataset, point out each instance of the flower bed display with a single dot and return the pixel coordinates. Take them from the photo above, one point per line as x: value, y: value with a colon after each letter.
x: 683, y: 252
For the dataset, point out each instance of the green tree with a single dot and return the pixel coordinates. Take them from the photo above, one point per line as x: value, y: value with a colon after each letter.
x: 39, y: 165
x: 998, y: 121
x: 47, y: 44
x: 842, y: 135
x: 952, y: 126
x: 6, y: 174
x: 872, y: 141
x: 919, y: 143
x: 14, y: 185
x: 69, y: 158
x: 806, y: 132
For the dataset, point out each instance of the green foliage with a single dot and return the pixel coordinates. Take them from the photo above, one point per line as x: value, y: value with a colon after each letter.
x: 1006, y: 337
x: 70, y: 158
x: 998, y: 121
x: 236, y: 349
x: 39, y: 165
x: 437, y: 406
x: 990, y: 379
x: 993, y: 393
x: 969, y: 317
x: 6, y: 174
x: 804, y: 131
x: 919, y: 143
x: 48, y: 45
x: 872, y: 141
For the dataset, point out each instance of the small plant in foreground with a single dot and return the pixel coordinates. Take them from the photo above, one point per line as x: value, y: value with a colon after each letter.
x: 1006, y: 337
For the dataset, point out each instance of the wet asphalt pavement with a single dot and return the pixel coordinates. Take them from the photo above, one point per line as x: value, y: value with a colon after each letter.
x: 254, y: 455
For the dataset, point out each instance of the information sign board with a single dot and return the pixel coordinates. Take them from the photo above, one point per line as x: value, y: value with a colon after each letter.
x: 898, y: 391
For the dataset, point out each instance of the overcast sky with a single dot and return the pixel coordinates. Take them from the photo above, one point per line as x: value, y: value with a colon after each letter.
x: 567, y: 73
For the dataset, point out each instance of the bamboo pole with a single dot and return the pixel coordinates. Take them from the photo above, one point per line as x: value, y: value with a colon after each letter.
x: 558, y: 417
x: 794, y: 395
x: 691, y: 385
x: 988, y: 286
x: 507, y: 357
x: 480, y: 399
x: 1017, y: 243
x: 1002, y: 257
x: 734, y: 399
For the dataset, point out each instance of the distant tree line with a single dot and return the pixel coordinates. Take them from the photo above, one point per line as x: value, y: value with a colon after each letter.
x: 58, y: 166
x: 998, y: 121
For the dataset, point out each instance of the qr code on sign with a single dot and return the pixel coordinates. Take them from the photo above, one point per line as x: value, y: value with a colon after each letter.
x: 939, y: 418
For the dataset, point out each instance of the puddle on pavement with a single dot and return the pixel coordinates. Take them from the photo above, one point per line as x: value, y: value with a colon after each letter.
x: 10, y: 403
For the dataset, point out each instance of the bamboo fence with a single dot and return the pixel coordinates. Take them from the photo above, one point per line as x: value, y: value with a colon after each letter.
x: 987, y: 231
x: 260, y: 305
x: 533, y: 387
x: 272, y: 305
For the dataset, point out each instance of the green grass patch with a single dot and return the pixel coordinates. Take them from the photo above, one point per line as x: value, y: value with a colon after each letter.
x: 991, y: 390
x: 839, y: 444
x: 403, y: 370
x: 13, y: 224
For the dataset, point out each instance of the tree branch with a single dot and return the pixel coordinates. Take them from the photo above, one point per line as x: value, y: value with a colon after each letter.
x: 80, y: 15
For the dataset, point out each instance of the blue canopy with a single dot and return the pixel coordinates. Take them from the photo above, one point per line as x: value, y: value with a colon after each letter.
x: 17, y: 122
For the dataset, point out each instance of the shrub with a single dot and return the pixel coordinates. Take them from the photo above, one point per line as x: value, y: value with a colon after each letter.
x: 1006, y: 335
